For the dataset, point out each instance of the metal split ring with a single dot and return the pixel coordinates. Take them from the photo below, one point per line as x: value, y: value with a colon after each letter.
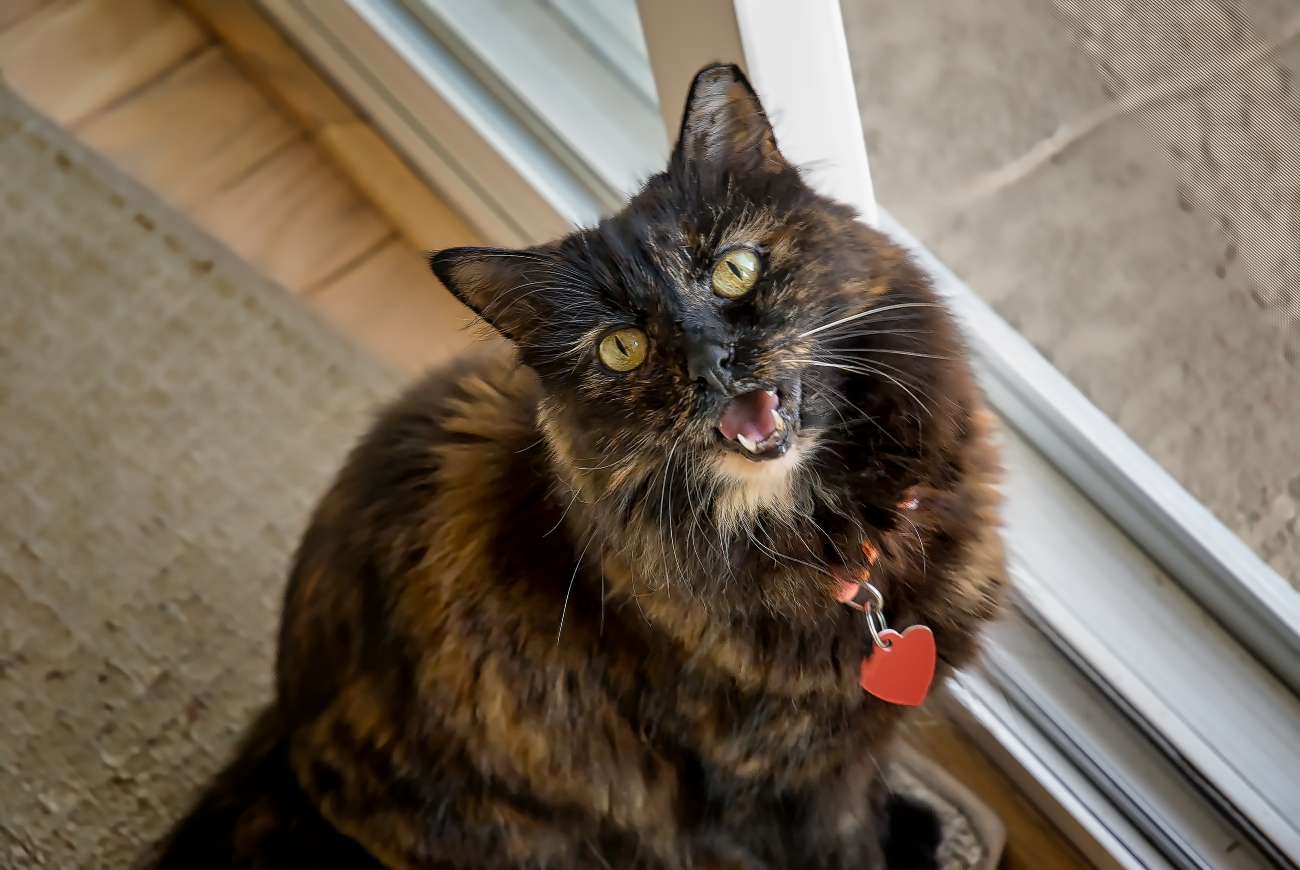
x: 875, y: 612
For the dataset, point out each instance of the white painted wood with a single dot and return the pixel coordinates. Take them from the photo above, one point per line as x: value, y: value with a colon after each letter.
x: 798, y: 61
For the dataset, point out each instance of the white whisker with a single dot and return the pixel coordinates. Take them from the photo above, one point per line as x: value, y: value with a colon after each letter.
x: 869, y: 311
x: 864, y: 369
x: 576, y: 568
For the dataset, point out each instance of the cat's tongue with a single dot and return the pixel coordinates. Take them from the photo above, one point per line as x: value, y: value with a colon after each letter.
x: 750, y: 414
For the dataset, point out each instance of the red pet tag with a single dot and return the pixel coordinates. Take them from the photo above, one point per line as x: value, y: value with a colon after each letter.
x: 901, y: 671
x: 900, y: 668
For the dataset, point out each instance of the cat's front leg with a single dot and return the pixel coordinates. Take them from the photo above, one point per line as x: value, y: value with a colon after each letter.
x: 842, y: 822
x: 853, y: 822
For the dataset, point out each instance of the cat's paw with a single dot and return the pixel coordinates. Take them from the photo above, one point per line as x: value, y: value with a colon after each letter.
x: 912, y: 835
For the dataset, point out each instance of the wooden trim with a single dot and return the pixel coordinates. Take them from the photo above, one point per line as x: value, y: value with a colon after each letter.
x: 73, y: 58
x: 1033, y: 842
x: 355, y: 146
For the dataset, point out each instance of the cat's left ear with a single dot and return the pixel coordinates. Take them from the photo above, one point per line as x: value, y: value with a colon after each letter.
x: 499, y: 284
x: 724, y: 126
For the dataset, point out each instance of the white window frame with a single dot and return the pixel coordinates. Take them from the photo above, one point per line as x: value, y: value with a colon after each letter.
x: 1144, y: 685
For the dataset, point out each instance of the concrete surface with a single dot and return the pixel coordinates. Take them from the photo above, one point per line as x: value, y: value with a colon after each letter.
x: 1123, y: 258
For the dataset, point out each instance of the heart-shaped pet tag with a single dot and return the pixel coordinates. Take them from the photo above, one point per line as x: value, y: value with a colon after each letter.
x: 902, y: 672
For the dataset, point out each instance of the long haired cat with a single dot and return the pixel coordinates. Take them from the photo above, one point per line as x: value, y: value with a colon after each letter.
x: 577, y: 604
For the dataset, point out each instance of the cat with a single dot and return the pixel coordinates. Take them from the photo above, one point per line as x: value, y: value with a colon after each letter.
x: 575, y: 601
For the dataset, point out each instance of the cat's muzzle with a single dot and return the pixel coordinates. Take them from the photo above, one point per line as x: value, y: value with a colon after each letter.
x: 760, y: 424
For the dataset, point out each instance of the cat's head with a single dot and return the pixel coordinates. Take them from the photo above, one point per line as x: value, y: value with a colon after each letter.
x: 726, y: 344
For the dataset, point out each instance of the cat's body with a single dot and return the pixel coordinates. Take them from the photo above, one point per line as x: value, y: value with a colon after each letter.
x: 549, y: 617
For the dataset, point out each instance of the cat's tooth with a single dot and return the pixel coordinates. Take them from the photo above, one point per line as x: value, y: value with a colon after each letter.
x: 749, y: 445
x: 778, y: 420
x: 771, y: 393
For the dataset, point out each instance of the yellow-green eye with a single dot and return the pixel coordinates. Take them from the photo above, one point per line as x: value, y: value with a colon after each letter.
x: 624, y: 350
x: 736, y: 274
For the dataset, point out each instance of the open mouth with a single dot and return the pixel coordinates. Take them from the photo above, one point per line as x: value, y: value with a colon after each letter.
x: 760, y: 424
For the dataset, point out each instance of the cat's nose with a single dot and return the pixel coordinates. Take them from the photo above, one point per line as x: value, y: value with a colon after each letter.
x: 707, y: 359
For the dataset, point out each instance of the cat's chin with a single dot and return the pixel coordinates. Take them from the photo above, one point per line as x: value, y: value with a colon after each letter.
x: 750, y: 487
x: 740, y: 468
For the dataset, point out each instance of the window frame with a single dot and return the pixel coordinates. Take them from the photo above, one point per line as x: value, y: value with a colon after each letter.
x: 1133, y: 528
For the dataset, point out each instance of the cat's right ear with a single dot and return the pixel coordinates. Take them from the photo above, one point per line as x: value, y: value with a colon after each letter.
x: 724, y: 127
x: 496, y: 283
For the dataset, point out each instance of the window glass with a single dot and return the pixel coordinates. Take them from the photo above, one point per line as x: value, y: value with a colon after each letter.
x: 1122, y: 183
x: 578, y: 67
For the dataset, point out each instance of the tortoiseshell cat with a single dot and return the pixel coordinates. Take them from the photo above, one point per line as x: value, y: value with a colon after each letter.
x: 574, y: 605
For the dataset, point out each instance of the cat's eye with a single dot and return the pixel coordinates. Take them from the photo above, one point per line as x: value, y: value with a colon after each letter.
x: 736, y: 274
x: 623, y: 350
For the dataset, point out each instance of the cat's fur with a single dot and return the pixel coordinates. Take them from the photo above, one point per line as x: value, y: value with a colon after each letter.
x: 548, y: 617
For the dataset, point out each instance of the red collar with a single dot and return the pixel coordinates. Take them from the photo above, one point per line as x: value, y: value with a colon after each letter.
x: 900, y: 667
